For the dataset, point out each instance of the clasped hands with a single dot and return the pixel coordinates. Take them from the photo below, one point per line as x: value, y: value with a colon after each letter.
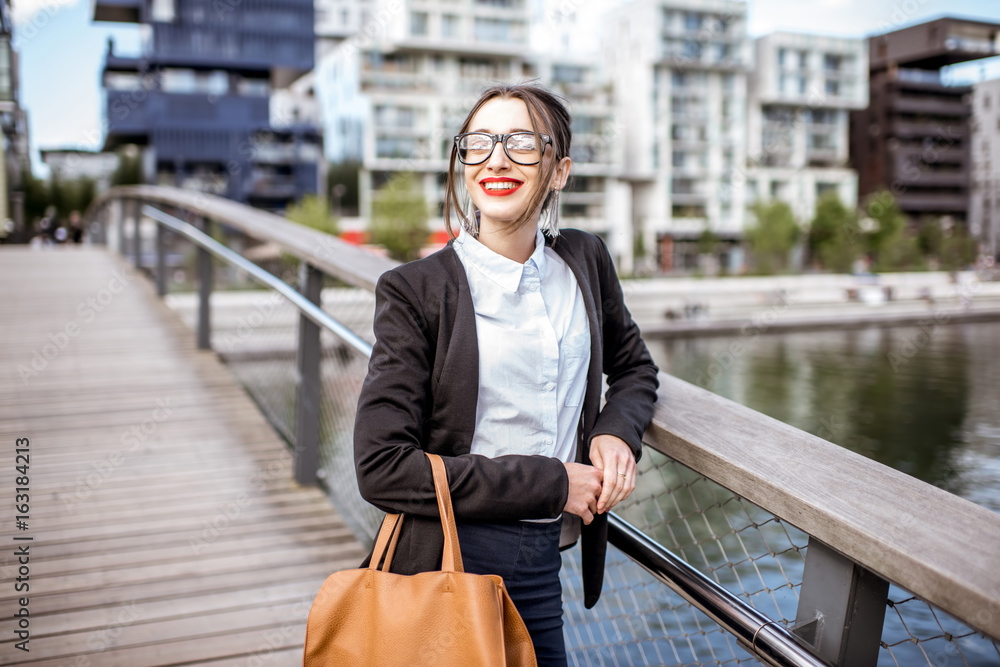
x: 595, y: 489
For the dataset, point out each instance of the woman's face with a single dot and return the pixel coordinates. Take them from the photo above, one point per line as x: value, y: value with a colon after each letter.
x: 500, y: 188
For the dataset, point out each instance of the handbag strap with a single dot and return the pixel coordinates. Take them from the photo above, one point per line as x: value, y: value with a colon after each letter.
x: 389, y: 526
x: 451, y: 559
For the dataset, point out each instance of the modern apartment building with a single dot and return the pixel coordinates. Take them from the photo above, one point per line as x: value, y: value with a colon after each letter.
x: 72, y: 164
x: 913, y: 138
x: 13, y: 135
x: 197, y: 100
x: 802, y: 89
x: 984, y: 205
x: 680, y: 88
x: 405, y: 83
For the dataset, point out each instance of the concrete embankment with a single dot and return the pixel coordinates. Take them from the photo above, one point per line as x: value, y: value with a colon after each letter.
x: 663, y: 307
x: 691, y: 307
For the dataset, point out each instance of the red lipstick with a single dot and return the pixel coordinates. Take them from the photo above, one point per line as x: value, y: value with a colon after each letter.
x: 501, y: 192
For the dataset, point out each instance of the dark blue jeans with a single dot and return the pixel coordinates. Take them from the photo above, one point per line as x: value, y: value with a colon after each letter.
x: 527, y: 556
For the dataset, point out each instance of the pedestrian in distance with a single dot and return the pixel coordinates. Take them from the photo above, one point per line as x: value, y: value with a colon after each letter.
x: 490, y: 353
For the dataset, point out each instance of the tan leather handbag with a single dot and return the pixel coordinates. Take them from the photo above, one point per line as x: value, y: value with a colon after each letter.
x: 372, y: 617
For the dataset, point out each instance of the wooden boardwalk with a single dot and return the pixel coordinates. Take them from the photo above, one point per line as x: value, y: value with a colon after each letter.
x: 166, y: 527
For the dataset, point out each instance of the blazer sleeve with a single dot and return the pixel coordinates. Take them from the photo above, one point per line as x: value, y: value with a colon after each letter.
x: 391, y: 430
x: 631, y: 373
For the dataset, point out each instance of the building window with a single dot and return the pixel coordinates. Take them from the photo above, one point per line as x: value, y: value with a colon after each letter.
x: 986, y: 101
x: 449, y: 26
x: 493, y: 30
x: 832, y: 62
x: 782, y: 57
x: 418, y: 24
x: 832, y: 88
x: 568, y: 74
x: 692, y: 21
x: 823, y: 189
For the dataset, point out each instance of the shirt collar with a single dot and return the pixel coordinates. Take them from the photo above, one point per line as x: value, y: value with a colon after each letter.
x: 503, y: 271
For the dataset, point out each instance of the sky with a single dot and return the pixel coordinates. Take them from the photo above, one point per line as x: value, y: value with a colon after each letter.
x: 61, y: 50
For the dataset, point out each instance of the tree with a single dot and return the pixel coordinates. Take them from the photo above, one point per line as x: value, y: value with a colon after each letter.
x: 129, y: 171
x: 314, y: 212
x: 399, y: 218
x: 930, y: 237
x: 831, y: 240
x: 772, y: 238
x: 889, y: 221
x: 959, y: 250
x: 344, y: 177
x: 36, y: 197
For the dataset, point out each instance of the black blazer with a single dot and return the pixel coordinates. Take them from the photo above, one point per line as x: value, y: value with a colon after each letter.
x: 420, y: 395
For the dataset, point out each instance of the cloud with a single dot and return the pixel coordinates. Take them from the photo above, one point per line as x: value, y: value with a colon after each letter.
x: 28, y: 13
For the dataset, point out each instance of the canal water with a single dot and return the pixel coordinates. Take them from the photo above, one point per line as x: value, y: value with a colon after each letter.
x: 923, y: 400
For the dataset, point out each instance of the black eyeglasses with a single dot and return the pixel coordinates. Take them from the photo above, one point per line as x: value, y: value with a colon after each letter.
x: 521, y: 147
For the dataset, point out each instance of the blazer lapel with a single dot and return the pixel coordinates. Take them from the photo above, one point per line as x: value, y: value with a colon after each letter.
x: 588, y: 286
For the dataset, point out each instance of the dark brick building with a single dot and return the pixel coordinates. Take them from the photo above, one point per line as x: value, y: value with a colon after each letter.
x: 914, y: 137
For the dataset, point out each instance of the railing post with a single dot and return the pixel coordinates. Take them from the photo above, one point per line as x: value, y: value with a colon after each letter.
x: 308, y: 363
x: 119, y: 223
x: 161, y: 262
x: 841, y: 608
x: 136, y: 234
x: 204, y: 264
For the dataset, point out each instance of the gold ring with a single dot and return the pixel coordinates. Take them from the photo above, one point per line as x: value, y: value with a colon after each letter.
x: 622, y: 475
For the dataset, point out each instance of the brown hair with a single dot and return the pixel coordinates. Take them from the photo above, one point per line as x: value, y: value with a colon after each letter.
x: 548, y: 116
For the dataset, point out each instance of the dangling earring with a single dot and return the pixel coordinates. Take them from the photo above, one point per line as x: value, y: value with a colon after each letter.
x: 471, y: 219
x: 551, y: 224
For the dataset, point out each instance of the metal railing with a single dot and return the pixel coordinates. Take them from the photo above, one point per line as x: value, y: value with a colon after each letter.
x: 791, y: 522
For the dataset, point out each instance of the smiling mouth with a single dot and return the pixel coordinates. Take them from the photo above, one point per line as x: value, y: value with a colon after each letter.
x: 500, y: 188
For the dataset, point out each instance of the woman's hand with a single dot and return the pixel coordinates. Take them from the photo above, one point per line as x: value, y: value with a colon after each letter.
x: 612, y: 456
x: 584, y: 488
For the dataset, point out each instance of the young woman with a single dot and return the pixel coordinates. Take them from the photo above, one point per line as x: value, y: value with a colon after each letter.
x: 490, y: 353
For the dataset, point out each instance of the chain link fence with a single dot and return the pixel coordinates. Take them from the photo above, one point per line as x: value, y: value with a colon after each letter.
x: 638, y: 621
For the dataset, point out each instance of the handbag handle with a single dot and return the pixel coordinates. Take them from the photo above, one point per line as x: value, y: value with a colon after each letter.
x: 451, y: 558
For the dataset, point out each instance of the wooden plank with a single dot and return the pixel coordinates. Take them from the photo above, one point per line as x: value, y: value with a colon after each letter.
x: 941, y: 547
x: 127, y: 544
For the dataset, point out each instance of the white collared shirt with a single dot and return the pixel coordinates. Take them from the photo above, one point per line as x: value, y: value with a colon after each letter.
x: 534, y: 351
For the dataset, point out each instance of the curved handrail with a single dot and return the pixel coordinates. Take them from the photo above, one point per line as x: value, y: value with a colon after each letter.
x: 305, y: 306
x: 942, y: 548
x: 324, y: 251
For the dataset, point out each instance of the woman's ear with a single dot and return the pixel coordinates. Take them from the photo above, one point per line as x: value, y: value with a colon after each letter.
x: 561, y: 174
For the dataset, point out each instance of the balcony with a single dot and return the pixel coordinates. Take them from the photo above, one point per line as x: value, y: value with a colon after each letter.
x: 118, y: 11
x: 143, y: 110
x: 912, y: 129
x: 919, y: 202
x: 930, y: 106
x: 218, y: 46
x: 375, y: 80
x: 273, y: 187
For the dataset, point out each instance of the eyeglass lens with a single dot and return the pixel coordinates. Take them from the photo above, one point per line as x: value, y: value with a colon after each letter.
x: 476, y: 148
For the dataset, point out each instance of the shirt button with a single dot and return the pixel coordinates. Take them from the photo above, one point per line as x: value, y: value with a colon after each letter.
x: 548, y: 441
x: 533, y: 287
x: 549, y: 386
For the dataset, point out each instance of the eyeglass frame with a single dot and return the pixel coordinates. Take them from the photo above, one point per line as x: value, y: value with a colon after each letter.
x: 502, y: 140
